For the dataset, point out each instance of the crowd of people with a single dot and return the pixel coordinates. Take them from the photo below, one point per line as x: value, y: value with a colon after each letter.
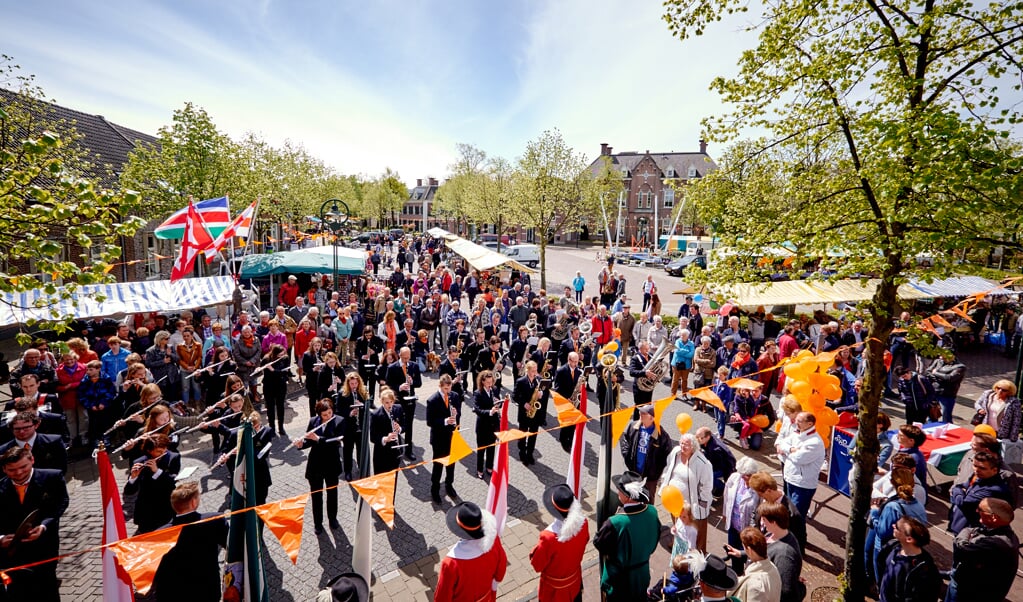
x: 360, y: 354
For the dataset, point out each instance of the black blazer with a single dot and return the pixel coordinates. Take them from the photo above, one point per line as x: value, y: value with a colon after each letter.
x: 380, y: 426
x: 404, y: 339
x: 324, y: 453
x: 523, y: 394
x: 49, y: 452
x: 396, y: 378
x: 452, y: 370
x: 260, y: 439
x: 191, y: 570
x: 486, y: 424
x: 152, y: 506
x: 373, y: 347
x: 325, y: 379
x: 343, y: 409
x: 437, y: 412
x: 47, y: 493
x: 565, y: 381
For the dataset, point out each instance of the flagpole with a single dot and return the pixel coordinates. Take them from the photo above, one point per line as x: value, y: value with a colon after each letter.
x: 605, y: 504
x: 362, y: 553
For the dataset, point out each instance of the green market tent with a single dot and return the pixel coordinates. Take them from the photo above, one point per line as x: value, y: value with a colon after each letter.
x: 314, y: 260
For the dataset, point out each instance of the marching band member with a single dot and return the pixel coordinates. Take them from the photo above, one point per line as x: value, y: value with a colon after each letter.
x: 471, y: 351
x: 152, y: 476
x: 491, y: 359
x: 519, y: 352
x: 213, y: 378
x: 637, y: 370
x: 351, y: 403
x: 276, y: 367
x: 323, y: 437
x: 158, y: 420
x: 367, y: 352
x: 403, y: 378
x: 262, y: 436
x: 558, y: 555
x: 443, y: 414
x: 527, y: 390
x: 565, y: 381
x: 312, y: 366
x: 385, y: 430
x: 487, y: 408
x: 454, y: 367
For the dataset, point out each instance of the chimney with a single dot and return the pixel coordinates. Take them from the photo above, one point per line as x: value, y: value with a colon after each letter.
x: 609, y: 153
x: 703, y: 146
x: 419, y: 182
x: 433, y: 181
x: 604, y: 150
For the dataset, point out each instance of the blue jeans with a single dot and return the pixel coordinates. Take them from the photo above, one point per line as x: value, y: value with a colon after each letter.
x: 952, y: 595
x: 190, y: 389
x: 947, y: 405
x: 722, y: 422
x: 801, y: 498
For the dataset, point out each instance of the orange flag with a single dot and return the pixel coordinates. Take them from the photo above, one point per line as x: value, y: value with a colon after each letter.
x: 512, y: 435
x: 284, y: 519
x: 459, y: 449
x: 659, y: 406
x: 561, y: 403
x: 744, y: 383
x: 140, y: 556
x: 959, y: 312
x: 940, y: 321
x: 619, y: 420
x: 378, y: 491
x: 708, y: 395
x: 569, y: 416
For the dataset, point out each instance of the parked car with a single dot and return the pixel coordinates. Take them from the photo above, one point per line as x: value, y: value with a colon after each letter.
x: 527, y: 254
x: 678, y: 266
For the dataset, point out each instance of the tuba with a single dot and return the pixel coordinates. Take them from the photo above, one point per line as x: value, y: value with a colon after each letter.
x: 658, y: 364
x: 560, y: 330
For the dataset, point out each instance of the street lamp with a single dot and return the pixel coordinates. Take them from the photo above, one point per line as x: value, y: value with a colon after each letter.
x: 334, y: 216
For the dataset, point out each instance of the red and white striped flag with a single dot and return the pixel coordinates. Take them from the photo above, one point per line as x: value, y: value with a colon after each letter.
x: 575, y: 460
x: 195, y: 240
x: 239, y: 226
x: 497, y: 494
x: 116, y: 583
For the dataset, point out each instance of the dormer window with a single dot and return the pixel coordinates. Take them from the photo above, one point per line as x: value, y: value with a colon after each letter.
x: 692, y: 171
x: 670, y: 172
x: 625, y: 172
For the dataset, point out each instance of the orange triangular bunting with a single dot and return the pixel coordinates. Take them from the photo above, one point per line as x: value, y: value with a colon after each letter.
x: 937, y: 320
x: 570, y: 416
x: 709, y: 396
x: 512, y: 435
x: 284, y: 519
x: 561, y: 403
x: 744, y: 383
x: 459, y: 449
x: 378, y: 491
x: 140, y: 556
x: 659, y: 406
x: 619, y: 420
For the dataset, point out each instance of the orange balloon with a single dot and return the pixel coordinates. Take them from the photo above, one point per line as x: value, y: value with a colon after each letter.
x: 832, y: 392
x: 831, y: 379
x: 816, y: 402
x: 817, y: 381
x: 804, y: 354
x: 671, y: 499
x: 684, y: 422
x: 760, y: 421
x: 800, y: 389
x: 827, y: 417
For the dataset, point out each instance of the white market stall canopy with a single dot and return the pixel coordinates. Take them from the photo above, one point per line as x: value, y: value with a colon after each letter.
x: 478, y: 257
x: 314, y: 260
x: 120, y: 297
x: 808, y: 292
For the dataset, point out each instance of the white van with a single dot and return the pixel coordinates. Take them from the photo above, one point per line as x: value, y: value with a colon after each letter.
x: 526, y: 254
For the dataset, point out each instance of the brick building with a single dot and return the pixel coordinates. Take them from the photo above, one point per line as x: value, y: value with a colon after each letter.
x: 649, y: 200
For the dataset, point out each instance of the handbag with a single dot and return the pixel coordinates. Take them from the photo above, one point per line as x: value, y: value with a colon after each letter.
x: 977, y: 419
x: 934, y: 412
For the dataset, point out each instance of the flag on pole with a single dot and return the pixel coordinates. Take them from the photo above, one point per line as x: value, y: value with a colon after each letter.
x: 243, y: 575
x: 575, y: 460
x: 240, y: 226
x: 196, y: 240
x: 116, y: 582
x: 497, y: 494
x: 215, y: 212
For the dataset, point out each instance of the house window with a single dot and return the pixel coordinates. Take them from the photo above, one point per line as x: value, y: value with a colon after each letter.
x: 152, y: 249
x: 670, y: 173
x: 649, y: 200
x: 669, y: 198
x: 692, y: 171
x: 625, y: 173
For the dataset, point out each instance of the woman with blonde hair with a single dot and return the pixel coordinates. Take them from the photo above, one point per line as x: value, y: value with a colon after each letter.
x: 351, y: 403
x: 388, y: 330
x: 79, y: 346
x: 1000, y: 408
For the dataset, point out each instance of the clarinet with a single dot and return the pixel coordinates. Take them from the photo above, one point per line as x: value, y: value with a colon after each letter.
x: 396, y: 430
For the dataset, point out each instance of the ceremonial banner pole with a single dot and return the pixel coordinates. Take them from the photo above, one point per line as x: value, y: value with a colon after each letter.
x: 362, y: 554
x: 605, y: 505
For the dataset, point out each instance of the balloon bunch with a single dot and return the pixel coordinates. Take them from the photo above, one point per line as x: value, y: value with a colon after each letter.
x: 807, y: 380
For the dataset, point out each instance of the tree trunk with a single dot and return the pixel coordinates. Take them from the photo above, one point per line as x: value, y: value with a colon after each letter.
x: 543, y: 262
x: 865, y: 454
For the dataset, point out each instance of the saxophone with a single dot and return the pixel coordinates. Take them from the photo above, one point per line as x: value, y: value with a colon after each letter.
x: 533, y: 406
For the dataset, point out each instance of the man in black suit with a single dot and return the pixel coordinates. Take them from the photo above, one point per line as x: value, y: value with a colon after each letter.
x: 569, y: 345
x: 637, y: 370
x: 565, y: 381
x: 191, y: 569
x: 386, y: 438
x: 403, y: 378
x: 407, y: 337
x: 525, y: 389
x: 47, y: 450
x: 323, y: 468
x: 152, y: 476
x: 443, y: 414
x: 25, y: 489
x: 452, y: 366
x: 50, y: 423
x: 367, y: 353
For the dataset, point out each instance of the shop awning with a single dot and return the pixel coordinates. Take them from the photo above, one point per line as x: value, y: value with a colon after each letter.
x: 961, y: 286
x: 478, y: 257
x: 314, y: 260
x: 122, y: 297
x: 806, y: 292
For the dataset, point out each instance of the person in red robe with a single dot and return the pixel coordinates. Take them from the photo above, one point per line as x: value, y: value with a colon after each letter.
x: 477, y: 563
x: 558, y: 556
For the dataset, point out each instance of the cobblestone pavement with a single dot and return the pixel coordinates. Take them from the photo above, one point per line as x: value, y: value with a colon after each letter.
x: 406, y: 558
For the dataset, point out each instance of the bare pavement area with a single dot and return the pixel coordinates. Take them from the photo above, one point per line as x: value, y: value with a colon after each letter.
x: 406, y: 559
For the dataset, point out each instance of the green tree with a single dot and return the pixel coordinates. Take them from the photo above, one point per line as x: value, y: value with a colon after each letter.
x: 382, y: 197
x: 47, y: 204
x: 552, y: 190
x: 892, y: 137
x: 192, y: 158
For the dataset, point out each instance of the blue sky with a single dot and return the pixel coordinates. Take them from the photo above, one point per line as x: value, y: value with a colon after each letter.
x: 370, y: 85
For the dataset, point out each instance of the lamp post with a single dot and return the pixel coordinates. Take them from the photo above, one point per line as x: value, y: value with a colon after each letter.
x: 334, y: 214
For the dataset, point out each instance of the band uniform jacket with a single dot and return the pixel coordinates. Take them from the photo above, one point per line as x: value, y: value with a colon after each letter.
x: 486, y: 359
x: 47, y: 450
x: 560, y: 563
x: 372, y: 348
x: 452, y: 370
x: 352, y: 424
x: 566, y: 379
x: 486, y: 423
x: 396, y: 377
x: 637, y: 370
x: 436, y: 413
x: 468, y: 572
x: 49, y: 424
x: 260, y: 439
x: 404, y: 338
x: 541, y: 358
x: 325, y: 452
x: 326, y: 379
x: 152, y: 506
x: 46, y: 492
x: 191, y: 570
x: 522, y: 395
x: 385, y: 456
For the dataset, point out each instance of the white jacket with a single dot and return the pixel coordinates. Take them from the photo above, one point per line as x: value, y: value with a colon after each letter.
x: 803, y: 466
x: 695, y: 480
x: 761, y: 583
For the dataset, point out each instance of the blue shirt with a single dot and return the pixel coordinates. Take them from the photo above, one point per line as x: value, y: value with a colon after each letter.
x: 644, y: 442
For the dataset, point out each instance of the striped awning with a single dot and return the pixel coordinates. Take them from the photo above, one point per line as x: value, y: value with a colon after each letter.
x: 109, y: 299
x: 961, y: 286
